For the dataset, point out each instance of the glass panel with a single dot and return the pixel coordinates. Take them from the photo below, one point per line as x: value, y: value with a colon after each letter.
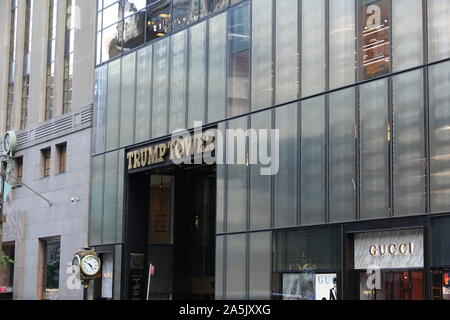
x: 374, y: 38
x: 313, y: 161
x: 111, y: 15
x: 440, y: 241
x: 439, y: 90
x: 120, y: 191
x: 287, y: 51
x: 197, y: 72
x: 236, y: 267
x: 160, y: 81
x: 374, y: 202
x: 409, y: 144
x: 438, y: 29
x: 407, y: 34
x: 342, y: 43
x: 342, y: 153
x: 143, y: 94
x: 113, y: 112
x: 286, y: 179
x: 110, y: 198
x: 178, y: 78
x: 219, y: 267
x: 100, y: 99
x: 217, y: 88
x: 313, y: 47
x: 184, y: 13
x: 260, y: 186
x: 96, y: 211
x: 237, y: 181
x: 239, y: 61
x: 262, y: 61
x: 128, y: 100
x: 221, y: 177
x: 260, y: 265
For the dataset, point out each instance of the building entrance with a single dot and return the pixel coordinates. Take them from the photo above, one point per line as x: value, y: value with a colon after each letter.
x: 179, y: 209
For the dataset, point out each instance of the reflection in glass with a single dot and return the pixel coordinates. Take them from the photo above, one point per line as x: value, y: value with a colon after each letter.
x: 158, y: 20
x: 184, y: 13
x: 100, y: 99
x: 313, y: 161
x: 134, y: 31
x: 409, y: 144
x: 342, y: 155
x: 113, y: 109
x: 407, y: 34
x: 211, y: 6
x: 438, y: 29
x: 374, y: 38
x: 439, y: 86
x: 239, y: 61
x: 112, y: 42
x: 112, y: 15
x: 374, y: 202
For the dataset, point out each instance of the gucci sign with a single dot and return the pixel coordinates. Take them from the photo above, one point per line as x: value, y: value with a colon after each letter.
x: 392, y: 249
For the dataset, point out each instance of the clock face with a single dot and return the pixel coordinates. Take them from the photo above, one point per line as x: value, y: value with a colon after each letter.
x: 7, y: 143
x: 90, y: 265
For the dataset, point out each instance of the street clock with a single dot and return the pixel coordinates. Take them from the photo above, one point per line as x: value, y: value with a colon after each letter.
x: 9, y: 142
x: 87, y: 264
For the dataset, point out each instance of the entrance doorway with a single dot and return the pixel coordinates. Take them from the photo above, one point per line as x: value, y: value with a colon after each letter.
x: 394, y: 285
x: 181, y: 224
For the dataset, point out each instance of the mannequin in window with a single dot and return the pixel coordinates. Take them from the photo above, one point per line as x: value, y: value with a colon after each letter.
x: 333, y: 291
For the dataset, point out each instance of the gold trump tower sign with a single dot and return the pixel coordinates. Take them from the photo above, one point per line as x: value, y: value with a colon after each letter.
x: 178, y: 151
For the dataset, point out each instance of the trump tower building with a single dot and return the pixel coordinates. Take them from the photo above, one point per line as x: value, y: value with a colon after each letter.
x: 358, y: 92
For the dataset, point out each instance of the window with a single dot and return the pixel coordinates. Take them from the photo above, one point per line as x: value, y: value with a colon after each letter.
x: 25, y: 102
x: 62, y: 158
x: 51, y: 51
x: 50, y: 250
x: 12, y: 61
x: 374, y: 38
x: 19, y: 170
x: 46, y: 161
x: 68, y: 57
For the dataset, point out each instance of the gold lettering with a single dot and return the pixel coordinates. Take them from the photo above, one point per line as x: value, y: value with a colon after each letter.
x: 373, y: 251
x: 411, y: 248
x: 137, y: 160
x: 162, y: 152
x: 179, y: 144
x: 188, y: 146
x: 130, y: 156
x: 403, y: 249
x: 144, y: 156
x: 152, y: 155
x: 393, y: 249
x: 383, y: 250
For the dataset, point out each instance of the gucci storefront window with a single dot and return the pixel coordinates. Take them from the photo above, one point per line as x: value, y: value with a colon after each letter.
x: 390, y: 265
x: 307, y: 264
